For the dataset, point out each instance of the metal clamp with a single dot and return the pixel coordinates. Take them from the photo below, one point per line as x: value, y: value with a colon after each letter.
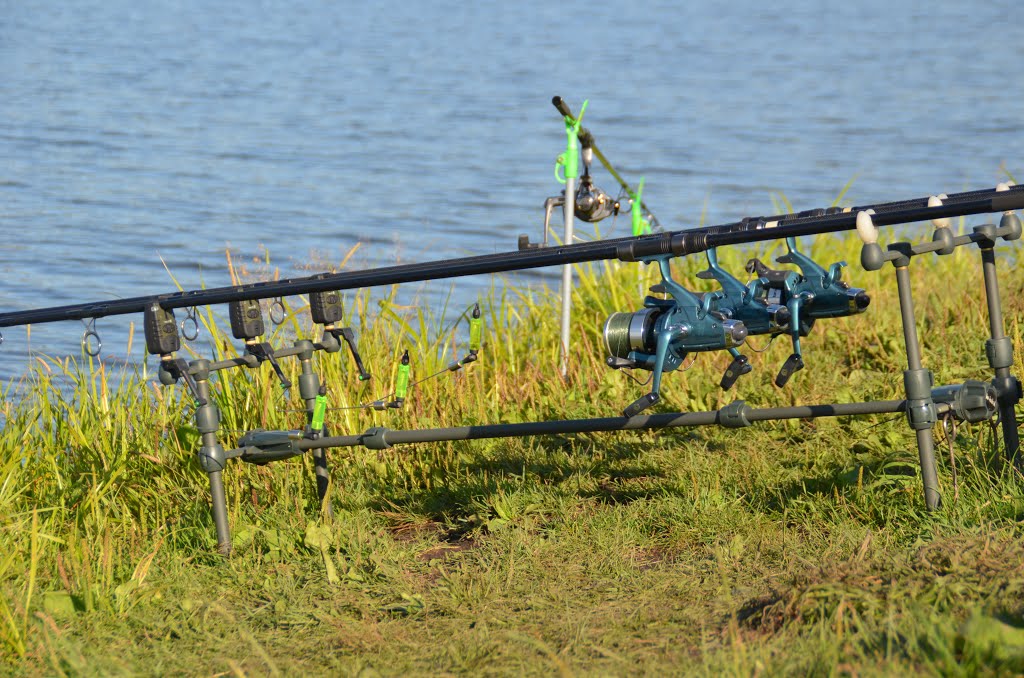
x: 375, y: 439
x: 734, y: 415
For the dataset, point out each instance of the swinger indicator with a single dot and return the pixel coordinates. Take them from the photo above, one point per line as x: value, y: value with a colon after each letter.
x: 316, y: 424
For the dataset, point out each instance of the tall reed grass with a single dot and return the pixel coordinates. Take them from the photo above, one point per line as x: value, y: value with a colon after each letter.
x: 99, y: 484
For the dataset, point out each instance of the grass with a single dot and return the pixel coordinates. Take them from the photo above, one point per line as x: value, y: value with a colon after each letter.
x: 794, y: 547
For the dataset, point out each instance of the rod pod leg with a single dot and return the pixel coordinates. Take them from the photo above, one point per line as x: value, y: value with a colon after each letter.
x: 323, y: 480
x: 918, y: 383
x: 309, y: 387
x: 220, y: 513
x: 999, y: 349
x: 211, y: 453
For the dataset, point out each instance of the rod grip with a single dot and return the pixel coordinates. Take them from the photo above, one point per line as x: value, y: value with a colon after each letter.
x: 563, y: 108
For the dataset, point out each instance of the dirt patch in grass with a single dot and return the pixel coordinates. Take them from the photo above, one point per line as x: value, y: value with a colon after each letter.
x: 764, y: 614
x: 446, y: 550
x: 960, y: 568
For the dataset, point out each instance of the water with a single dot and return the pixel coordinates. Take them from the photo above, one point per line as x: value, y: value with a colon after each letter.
x: 133, y: 134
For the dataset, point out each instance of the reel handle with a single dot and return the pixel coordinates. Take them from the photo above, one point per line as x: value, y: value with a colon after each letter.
x: 641, y: 404
x: 739, y: 366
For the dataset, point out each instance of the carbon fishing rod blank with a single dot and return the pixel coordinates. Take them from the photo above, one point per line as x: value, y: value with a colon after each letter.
x: 678, y: 243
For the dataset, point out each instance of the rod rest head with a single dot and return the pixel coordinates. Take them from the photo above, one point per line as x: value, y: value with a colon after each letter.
x: 1011, y: 226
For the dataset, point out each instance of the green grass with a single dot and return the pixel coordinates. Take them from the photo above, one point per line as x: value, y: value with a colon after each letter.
x: 786, y: 548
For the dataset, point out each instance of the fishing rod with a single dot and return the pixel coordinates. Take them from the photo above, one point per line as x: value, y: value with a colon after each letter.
x: 630, y: 248
x: 674, y: 323
x: 586, y: 202
x: 590, y: 204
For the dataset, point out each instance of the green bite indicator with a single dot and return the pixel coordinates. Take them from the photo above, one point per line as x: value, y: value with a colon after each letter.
x: 319, y: 410
x: 476, y: 330
x: 570, y: 160
x: 640, y: 225
x: 402, y: 380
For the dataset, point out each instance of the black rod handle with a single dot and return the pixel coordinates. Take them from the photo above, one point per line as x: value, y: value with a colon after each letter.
x: 562, y: 107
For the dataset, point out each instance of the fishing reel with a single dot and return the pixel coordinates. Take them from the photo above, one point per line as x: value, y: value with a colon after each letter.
x: 747, y: 304
x: 812, y: 294
x: 659, y: 337
x: 591, y: 203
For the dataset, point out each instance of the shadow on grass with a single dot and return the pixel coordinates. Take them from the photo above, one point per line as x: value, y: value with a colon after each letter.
x: 513, y: 475
x: 839, y: 479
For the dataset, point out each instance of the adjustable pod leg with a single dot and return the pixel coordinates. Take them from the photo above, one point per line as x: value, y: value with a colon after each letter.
x: 999, y: 349
x: 211, y: 455
x: 309, y: 388
x: 568, y: 209
x: 220, y: 513
x: 918, y: 383
x: 323, y: 481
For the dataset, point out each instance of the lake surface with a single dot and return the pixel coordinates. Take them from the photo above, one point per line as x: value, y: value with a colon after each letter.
x: 137, y: 134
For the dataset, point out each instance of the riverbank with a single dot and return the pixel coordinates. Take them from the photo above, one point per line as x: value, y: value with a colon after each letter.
x: 792, y: 547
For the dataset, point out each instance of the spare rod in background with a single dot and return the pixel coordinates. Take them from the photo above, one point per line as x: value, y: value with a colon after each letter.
x: 676, y: 243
